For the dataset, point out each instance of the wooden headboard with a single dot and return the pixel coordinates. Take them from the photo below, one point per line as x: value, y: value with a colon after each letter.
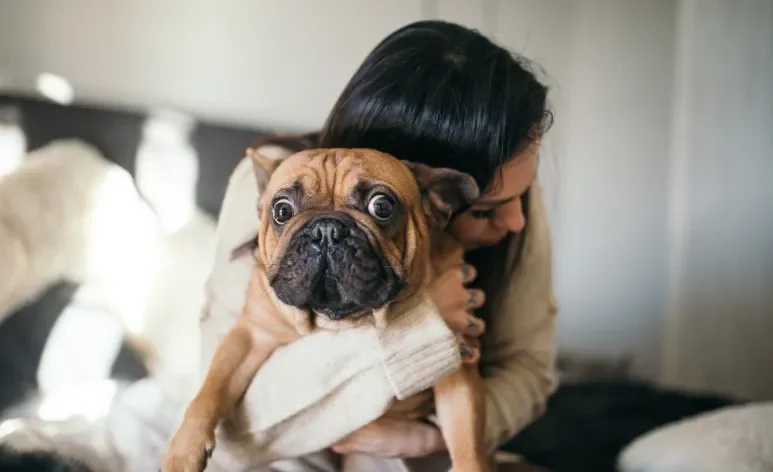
x: 117, y: 133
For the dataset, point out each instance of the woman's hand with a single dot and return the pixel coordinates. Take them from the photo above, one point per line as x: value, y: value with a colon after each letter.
x: 457, y: 303
x: 387, y: 437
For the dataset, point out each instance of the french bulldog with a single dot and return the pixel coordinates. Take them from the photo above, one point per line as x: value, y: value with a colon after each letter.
x: 347, y: 236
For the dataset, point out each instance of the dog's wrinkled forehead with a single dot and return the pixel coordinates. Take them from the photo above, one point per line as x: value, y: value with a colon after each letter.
x: 329, y: 176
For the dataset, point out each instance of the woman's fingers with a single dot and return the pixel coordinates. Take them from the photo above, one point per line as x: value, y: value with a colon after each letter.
x: 468, y: 273
x: 463, y: 323
x: 475, y: 327
x: 457, y: 304
x: 475, y: 299
x: 469, y: 348
x: 458, y: 321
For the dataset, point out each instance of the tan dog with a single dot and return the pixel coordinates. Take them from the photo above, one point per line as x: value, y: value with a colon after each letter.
x: 345, y: 238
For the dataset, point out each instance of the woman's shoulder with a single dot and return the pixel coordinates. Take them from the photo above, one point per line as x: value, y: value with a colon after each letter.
x: 272, y: 147
x: 241, y: 197
x: 242, y: 193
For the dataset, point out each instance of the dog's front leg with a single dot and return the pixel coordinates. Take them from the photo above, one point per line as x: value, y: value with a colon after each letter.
x: 239, y: 356
x: 461, y: 412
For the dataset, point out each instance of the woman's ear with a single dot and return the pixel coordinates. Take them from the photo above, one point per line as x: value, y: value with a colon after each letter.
x: 444, y: 191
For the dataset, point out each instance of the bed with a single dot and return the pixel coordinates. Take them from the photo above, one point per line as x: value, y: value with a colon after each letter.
x: 589, y: 420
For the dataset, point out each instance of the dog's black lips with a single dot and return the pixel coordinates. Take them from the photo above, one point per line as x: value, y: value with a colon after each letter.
x: 335, y: 280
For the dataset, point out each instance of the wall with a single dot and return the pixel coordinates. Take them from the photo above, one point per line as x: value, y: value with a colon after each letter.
x: 263, y: 62
x: 611, y: 240
x: 720, y: 316
x: 606, y: 163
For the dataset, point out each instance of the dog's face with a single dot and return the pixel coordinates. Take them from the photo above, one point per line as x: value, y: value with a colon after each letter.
x: 346, y: 231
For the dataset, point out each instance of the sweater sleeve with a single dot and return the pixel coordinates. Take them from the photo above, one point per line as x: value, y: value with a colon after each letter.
x: 418, y: 349
x: 518, y: 358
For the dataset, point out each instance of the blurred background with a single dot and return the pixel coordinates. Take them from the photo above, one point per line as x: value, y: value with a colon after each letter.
x: 657, y: 171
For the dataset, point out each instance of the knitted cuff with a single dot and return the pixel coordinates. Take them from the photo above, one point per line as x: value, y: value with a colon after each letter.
x: 418, y: 349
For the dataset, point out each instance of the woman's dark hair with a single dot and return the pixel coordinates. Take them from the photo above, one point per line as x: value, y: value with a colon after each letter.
x: 446, y: 96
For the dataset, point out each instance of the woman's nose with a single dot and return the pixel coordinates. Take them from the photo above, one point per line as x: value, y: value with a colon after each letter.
x: 510, y: 217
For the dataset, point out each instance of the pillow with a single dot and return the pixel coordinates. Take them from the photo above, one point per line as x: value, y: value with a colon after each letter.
x: 737, y: 439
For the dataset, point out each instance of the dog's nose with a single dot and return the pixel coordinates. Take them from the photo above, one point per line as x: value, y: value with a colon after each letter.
x: 328, y: 230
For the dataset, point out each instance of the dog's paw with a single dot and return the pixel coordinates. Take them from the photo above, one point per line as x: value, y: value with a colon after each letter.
x: 190, y: 449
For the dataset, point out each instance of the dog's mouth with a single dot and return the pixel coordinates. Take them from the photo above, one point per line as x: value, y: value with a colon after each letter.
x: 332, y: 268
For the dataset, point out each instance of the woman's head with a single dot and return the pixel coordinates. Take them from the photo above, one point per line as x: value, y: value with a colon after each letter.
x: 446, y: 96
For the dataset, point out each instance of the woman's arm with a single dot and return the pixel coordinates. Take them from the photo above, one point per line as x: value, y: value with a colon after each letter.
x: 518, y: 357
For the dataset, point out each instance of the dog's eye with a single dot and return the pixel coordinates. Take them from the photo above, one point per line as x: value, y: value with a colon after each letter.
x: 282, y: 211
x: 381, y: 207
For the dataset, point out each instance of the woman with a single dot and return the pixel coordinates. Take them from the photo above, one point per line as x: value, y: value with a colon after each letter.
x: 443, y: 95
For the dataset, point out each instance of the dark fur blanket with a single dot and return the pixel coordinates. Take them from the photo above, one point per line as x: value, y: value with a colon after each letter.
x: 16, y: 461
x: 587, y: 425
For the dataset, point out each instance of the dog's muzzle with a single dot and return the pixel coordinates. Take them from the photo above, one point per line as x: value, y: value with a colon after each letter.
x: 327, y: 231
x: 332, y: 267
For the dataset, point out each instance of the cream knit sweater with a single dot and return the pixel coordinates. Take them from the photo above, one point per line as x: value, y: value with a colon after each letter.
x: 323, y: 386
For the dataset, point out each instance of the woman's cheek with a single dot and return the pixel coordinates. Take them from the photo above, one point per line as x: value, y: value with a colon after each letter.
x: 468, y: 229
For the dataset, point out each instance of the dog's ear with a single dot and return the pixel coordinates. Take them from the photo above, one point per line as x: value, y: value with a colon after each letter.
x: 247, y: 248
x: 265, y: 162
x: 444, y: 191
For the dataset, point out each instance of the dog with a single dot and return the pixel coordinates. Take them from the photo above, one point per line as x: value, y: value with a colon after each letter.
x: 347, y: 236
